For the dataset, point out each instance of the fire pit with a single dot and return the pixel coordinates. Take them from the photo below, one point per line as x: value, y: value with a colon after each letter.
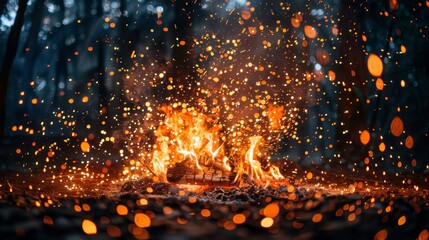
x: 204, y: 119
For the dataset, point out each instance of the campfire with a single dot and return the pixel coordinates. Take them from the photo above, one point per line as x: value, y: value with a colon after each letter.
x: 192, y: 146
x: 214, y: 119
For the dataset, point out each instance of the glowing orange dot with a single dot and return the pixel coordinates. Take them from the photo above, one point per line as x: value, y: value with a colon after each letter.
x: 192, y: 200
x: 396, y: 126
x: 335, y: 30
x: 381, y: 235
x: 86, y: 207
x: 112, y: 25
x: 205, y: 213
x: 394, y: 4
x: 181, y: 220
x: 165, y: 29
x: 182, y: 43
x: 382, y: 147
x: 90, y: 49
x: 271, y: 210
x: 245, y: 14
x: 297, y: 225
x: 379, y: 84
x: 229, y: 225
x: 424, y: 235
x: 71, y: 100
x: 339, y: 212
x: 85, y: 99
x: 77, y: 208
x: 51, y: 153
x: 85, y: 146
x: 310, y: 31
x: 252, y: 30
x: 167, y: 210
x: 402, y: 220
x: 89, y: 227
x: 18, y: 150
x: 142, y: 220
x: 111, y: 73
x: 409, y: 142
x: 122, y: 210
x: 322, y: 56
x: 375, y: 65
x: 317, y: 217
x: 309, y: 175
x: 351, y: 217
x: 295, y: 22
x: 365, y: 137
x: 48, y: 220
x: 108, y: 162
x: 267, y: 222
x: 239, y: 218
x: 34, y: 101
x: 143, y: 202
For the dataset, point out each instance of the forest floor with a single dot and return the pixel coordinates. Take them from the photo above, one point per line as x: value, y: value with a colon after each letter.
x: 37, y: 206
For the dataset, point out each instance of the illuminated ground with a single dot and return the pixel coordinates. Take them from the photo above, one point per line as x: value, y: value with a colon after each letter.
x: 334, y: 208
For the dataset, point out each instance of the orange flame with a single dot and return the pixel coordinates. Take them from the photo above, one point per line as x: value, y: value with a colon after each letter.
x: 252, y: 167
x: 188, y: 136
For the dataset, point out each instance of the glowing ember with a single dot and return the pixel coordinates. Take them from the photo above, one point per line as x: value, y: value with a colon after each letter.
x: 89, y: 227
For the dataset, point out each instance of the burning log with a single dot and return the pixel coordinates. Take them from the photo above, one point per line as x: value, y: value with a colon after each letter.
x: 212, y: 173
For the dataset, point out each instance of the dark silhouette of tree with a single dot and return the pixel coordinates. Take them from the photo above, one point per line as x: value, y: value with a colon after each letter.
x: 103, y: 91
x: 351, y: 73
x: 2, y: 6
x: 32, y: 48
x: 61, y: 68
x: 12, y: 48
x: 183, y: 61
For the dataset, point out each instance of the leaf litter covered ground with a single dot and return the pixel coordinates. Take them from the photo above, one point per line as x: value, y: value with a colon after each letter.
x: 335, y: 208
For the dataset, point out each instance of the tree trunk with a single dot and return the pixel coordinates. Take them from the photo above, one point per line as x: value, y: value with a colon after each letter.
x: 2, y: 6
x: 183, y: 73
x: 12, y: 48
x: 103, y: 91
x: 31, y: 49
x: 352, y: 90
x: 36, y: 23
x: 61, y: 68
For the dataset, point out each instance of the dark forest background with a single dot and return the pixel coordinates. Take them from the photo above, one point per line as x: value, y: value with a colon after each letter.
x: 79, y: 69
